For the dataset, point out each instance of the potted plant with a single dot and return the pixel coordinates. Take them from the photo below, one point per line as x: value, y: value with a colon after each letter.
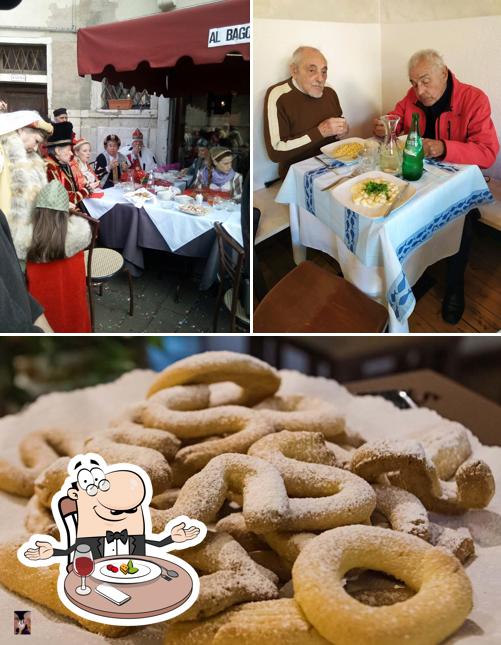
x: 119, y: 104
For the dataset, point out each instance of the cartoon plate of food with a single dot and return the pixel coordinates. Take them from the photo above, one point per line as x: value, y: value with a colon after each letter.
x: 126, y: 570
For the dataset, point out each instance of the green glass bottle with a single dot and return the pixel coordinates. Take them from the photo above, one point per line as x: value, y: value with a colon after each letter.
x: 412, y: 163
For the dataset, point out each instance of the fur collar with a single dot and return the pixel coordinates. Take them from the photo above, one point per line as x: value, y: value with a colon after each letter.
x: 27, y: 177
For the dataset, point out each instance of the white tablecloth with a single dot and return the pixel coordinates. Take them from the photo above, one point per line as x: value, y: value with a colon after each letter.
x: 384, y: 257
x: 175, y: 227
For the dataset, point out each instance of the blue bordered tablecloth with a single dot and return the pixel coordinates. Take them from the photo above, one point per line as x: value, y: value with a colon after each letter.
x: 443, y: 196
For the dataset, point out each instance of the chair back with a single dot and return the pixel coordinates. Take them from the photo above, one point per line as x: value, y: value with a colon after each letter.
x: 68, y: 512
x: 231, y: 261
x: 94, y: 228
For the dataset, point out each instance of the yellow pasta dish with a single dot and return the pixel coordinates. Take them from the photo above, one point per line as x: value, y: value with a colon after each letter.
x: 347, y: 151
x: 374, y: 192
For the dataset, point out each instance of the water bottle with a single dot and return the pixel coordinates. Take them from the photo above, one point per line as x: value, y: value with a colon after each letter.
x: 412, y: 164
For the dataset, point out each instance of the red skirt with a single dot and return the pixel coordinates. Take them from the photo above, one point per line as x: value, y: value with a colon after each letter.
x: 60, y: 288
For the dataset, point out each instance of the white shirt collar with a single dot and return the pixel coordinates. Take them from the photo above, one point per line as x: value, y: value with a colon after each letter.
x: 296, y: 85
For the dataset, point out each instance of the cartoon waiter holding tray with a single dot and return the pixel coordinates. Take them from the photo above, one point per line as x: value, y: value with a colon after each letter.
x: 104, y: 512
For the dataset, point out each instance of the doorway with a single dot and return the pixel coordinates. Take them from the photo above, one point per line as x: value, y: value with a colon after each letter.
x: 25, y: 96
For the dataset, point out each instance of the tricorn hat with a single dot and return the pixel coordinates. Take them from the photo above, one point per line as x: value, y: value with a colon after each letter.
x: 53, y: 196
x: 59, y: 111
x: 62, y: 135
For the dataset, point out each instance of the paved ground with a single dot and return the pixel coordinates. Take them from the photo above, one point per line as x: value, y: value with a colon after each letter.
x: 155, y: 308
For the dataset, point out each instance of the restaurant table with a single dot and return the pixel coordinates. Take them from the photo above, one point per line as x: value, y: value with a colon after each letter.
x: 147, y: 599
x: 383, y: 256
x: 450, y: 399
x: 131, y: 229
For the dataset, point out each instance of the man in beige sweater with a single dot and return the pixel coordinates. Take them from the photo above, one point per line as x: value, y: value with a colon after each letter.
x: 301, y: 114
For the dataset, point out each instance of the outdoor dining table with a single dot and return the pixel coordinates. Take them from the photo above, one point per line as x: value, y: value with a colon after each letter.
x: 383, y: 256
x: 131, y: 229
x: 147, y: 599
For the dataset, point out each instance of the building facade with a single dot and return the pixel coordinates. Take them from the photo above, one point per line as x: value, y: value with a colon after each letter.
x: 38, y: 70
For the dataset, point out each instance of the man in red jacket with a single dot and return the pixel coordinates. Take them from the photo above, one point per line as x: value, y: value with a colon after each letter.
x: 456, y: 125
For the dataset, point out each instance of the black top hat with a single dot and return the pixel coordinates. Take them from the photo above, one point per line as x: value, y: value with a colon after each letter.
x: 62, y: 134
x: 59, y: 111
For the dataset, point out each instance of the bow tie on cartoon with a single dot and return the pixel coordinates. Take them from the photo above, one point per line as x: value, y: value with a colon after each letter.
x: 117, y: 535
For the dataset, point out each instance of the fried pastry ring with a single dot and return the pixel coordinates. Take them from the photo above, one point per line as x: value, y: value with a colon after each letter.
x: 257, y: 379
x: 229, y: 576
x: 265, y: 501
x: 408, y: 467
x: 266, y: 505
x: 403, y: 510
x: 38, y: 450
x: 298, y: 413
x: 323, y: 496
x: 447, y: 446
x: 276, y: 622
x: 442, y: 601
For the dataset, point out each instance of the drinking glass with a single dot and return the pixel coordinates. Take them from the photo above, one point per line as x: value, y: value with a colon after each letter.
x: 369, y: 159
x: 83, y: 564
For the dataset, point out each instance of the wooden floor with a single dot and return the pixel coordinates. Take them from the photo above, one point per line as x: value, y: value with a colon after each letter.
x: 482, y: 283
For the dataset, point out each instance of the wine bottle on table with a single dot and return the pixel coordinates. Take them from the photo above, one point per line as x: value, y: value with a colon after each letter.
x: 412, y: 163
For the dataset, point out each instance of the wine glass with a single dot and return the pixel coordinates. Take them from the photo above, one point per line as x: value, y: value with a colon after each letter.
x: 84, y: 566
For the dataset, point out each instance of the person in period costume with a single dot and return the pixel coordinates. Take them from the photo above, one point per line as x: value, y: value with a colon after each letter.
x: 456, y: 126
x: 60, y: 115
x: 137, y: 155
x: 302, y: 114
x: 58, y: 162
x: 219, y: 174
x: 19, y: 311
x: 111, y: 163
x: 22, y: 171
x: 200, y: 161
x: 55, y: 267
x: 81, y: 168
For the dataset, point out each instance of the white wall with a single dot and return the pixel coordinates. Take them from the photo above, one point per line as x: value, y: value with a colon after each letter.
x: 470, y: 46
x: 368, y: 62
x: 353, y: 53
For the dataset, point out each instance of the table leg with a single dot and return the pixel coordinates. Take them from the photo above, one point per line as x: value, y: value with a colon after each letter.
x: 298, y: 250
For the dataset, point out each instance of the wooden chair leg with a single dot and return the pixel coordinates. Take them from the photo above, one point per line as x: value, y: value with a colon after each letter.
x: 131, y: 295
x: 218, y: 306
x: 234, y: 302
x: 91, y: 304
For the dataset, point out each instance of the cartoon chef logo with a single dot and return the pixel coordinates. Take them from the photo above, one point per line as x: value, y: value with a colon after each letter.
x: 113, y: 569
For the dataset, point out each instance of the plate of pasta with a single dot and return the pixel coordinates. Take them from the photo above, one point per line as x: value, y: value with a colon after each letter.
x: 347, y: 150
x: 372, y: 193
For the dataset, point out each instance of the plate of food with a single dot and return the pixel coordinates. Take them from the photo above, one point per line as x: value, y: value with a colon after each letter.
x: 184, y: 199
x: 372, y: 193
x: 193, y: 209
x: 140, y: 193
x: 126, y: 570
x: 347, y: 150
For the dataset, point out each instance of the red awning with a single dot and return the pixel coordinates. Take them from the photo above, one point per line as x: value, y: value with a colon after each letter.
x: 144, y: 51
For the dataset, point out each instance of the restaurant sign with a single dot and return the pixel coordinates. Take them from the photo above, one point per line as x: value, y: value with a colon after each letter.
x: 232, y: 35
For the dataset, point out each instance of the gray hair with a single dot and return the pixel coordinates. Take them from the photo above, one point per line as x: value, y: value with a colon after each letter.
x: 428, y: 55
x: 299, y: 52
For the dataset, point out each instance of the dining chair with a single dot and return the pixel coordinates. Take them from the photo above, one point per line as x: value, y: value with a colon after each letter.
x: 101, y: 264
x: 310, y: 299
x: 231, y: 262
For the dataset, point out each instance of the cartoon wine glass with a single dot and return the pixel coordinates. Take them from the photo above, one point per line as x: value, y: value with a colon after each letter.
x: 84, y: 566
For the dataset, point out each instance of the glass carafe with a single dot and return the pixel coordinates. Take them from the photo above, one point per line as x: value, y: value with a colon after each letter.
x: 390, y: 157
